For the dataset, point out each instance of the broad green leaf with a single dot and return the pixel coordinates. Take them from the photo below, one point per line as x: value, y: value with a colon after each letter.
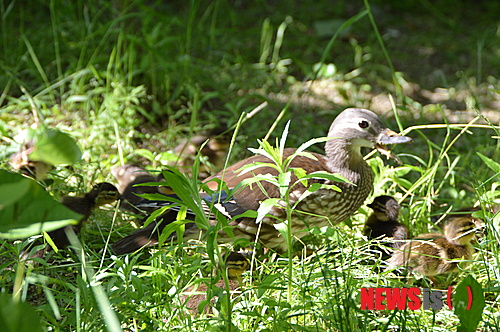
x: 31, y: 210
x: 54, y: 147
x: 174, y: 226
x: 17, y: 316
x: 165, y: 158
x: 11, y: 192
x: 188, y: 192
x: 282, y: 227
x: 314, y: 186
x: 35, y: 228
x: 265, y: 207
x: 468, y: 290
x: 247, y: 214
x: 493, y: 165
x: 145, y: 153
x: 300, y: 173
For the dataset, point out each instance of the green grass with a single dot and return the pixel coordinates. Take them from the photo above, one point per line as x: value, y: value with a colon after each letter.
x: 124, y: 75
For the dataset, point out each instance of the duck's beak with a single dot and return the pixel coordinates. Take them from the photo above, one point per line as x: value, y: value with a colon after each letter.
x: 388, y: 136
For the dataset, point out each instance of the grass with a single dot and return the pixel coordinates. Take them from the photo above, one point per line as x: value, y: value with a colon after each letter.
x: 127, y: 75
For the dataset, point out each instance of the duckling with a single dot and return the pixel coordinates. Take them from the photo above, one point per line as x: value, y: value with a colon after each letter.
x: 129, y: 178
x: 479, y: 219
x: 101, y: 194
x: 236, y: 264
x: 434, y: 254
x: 383, y: 223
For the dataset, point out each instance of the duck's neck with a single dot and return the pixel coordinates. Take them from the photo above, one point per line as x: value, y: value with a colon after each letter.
x: 345, y: 158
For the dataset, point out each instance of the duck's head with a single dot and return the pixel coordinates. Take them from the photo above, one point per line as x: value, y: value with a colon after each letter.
x: 359, y: 128
x: 385, y: 208
x: 103, y: 193
x: 460, y: 230
x: 236, y: 264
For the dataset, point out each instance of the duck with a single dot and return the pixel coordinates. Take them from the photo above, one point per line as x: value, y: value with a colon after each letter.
x: 383, y: 223
x: 101, y: 194
x: 129, y: 178
x: 352, y: 130
x: 213, y: 147
x: 435, y: 254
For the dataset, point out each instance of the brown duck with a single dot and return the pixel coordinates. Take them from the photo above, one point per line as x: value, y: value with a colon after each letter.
x: 352, y: 130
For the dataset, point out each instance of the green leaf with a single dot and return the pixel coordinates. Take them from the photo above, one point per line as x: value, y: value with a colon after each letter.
x: 253, y: 166
x: 188, y: 193
x: 269, y: 282
x: 13, y: 191
x: 283, y: 138
x: 469, y: 319
x: 263, y: 151
x: 177, y: 226
x: 313, y: 141
x: 31, y: 209
x: 301, y: 150
x: 493, y: 165
x: 145, y: 153
x: 282, y: 227
x: 306, y: 154
x: 247, y: 214
x: 54, y: 147
x: 265, y: 177
x: 17, y: 316
x: 35, y: 228
x: 300, y: 173
x: 284, y: 182
x: 165, y: 158
x: 325, y: 175
x: 265, y: 207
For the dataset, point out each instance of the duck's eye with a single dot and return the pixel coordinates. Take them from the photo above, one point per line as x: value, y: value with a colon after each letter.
x: 363, y: 124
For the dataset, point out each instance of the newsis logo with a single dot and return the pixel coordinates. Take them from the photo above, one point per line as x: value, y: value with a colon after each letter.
x: 412, y: 298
